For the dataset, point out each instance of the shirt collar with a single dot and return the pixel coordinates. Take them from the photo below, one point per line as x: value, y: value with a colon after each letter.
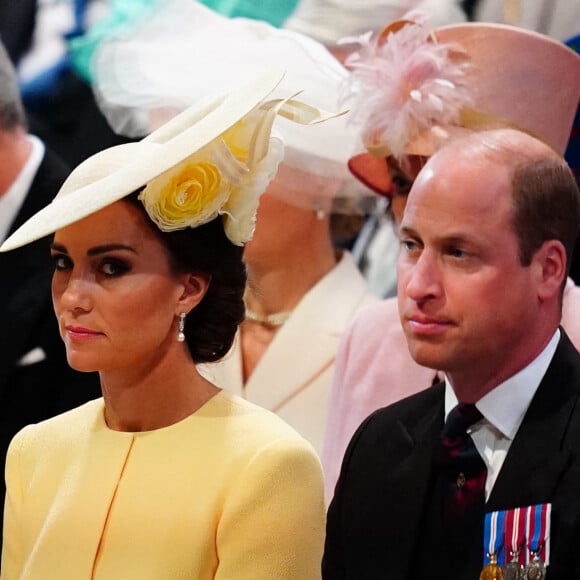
x: 519, y: 389
x: 13, y: 198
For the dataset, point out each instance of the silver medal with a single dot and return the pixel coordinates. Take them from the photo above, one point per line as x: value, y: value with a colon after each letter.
x: 535, y: 570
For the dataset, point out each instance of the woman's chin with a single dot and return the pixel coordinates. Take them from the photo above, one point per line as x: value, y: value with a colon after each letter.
x: 82, y: 364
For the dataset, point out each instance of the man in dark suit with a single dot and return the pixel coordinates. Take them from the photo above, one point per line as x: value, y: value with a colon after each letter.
x: 486, y: 240
x: 36, y: 381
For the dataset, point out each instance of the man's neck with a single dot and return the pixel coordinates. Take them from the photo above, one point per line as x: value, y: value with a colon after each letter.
x: 470, y: 386
x: 15, y: 149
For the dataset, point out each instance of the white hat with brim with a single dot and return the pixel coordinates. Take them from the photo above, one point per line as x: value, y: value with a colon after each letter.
x: 114, y: 173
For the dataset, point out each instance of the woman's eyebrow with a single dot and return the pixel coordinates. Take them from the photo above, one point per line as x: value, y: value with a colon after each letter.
x: 97, y: 249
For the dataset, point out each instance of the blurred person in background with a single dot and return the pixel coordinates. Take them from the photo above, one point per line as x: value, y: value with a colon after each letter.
x: 469, y: 90
x: 337, y: 24
x: 559, y: 19
x: 301, y: 290
x: 58, y: 101
x: 334, y: 22
x: 271, y: 11
x: 36, y: 381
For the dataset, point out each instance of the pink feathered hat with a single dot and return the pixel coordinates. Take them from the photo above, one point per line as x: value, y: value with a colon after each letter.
x: 413, y: 89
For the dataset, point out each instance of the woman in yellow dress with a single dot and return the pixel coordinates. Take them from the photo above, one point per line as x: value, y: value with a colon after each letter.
x: 166, y: 476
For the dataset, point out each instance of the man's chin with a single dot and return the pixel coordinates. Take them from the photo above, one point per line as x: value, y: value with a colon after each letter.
x: 428, y: 355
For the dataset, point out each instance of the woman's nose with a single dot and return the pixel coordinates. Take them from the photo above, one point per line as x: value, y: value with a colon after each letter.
x: 74, y: 295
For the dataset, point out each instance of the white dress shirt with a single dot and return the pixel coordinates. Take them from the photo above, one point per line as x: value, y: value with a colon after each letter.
x: 493, y: 435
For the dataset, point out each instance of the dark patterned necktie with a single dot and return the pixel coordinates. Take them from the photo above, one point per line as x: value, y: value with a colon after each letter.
x: 462, y: 468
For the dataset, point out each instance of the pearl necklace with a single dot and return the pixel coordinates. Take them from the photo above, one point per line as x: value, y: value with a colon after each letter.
x: 275, y: 319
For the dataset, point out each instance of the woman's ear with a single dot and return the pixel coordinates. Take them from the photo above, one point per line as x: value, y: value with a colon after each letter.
x: 195, y: 286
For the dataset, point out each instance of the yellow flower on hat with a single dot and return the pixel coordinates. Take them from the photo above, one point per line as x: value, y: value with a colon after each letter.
x: 189, y: 195
x: 225, y: 178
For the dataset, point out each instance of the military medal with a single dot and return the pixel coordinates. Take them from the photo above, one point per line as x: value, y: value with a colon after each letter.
x: 538, y: 530
x: 493, y: 543
x: 535, y: 570
x: 492, y: 571
x: 513, y: 570
x: 514, y: 541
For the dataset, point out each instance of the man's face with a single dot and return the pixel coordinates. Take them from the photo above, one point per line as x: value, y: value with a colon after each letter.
x: 465, y: 300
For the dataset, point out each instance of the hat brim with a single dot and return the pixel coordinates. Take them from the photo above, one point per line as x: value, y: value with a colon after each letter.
x: 119, y: 171
x: 373, y: 171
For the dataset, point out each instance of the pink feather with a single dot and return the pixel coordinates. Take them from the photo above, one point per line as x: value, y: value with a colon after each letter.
x: 405, y: 84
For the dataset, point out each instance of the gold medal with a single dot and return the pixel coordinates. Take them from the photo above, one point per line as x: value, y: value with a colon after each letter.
x: 492, y: 571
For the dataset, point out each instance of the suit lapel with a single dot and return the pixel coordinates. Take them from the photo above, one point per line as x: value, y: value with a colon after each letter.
x: 539, y: 456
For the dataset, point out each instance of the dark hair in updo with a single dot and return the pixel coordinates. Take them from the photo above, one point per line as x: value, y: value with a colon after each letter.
x: 211, y: 326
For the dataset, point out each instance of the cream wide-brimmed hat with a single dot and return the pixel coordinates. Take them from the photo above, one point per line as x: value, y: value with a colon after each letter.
x: 214, y: 158
x: 481, y: 76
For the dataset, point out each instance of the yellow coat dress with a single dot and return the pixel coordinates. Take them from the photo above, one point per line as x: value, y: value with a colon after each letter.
x: 230, y: 492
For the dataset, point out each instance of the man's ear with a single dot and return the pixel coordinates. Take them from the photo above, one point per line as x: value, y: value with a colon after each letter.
x: 550, y: 268
x: 195, y: 286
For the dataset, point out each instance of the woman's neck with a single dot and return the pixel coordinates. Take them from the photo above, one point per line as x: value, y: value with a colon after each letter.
x: 160, y: 395
x: 278, y: 286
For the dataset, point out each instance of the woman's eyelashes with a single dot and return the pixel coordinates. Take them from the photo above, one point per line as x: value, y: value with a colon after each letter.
x: 401, y: 185
x: 61, y: 262
x: 106, y: 266
x: 113, y: 267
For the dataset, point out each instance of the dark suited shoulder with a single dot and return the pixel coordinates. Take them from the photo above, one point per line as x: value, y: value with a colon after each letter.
x: 376, y: 503
x: 543, y: 463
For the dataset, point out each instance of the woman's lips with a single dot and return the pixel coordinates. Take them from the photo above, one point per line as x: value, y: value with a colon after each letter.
x: 81, y: 333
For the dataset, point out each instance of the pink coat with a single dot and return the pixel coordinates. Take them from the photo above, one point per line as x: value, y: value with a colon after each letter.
x: 374, y: 368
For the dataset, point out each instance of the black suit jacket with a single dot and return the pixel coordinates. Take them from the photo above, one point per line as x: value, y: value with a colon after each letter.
x: 375, y: 516
x: 32, y: 392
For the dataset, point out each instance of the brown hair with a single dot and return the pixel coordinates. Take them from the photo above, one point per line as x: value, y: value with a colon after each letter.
x: 546, y: 207
x: 546, y: 199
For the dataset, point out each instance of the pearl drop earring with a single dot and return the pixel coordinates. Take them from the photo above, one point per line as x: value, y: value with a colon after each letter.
x: 181, y: 327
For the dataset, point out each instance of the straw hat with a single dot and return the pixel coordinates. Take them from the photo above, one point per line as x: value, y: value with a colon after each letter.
x: 485, y: 76
x: 216, y: 157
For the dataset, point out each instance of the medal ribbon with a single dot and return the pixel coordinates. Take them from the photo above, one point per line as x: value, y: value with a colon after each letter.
x: 515, y: 534
x: 493, y: 537
x: 538, y: 525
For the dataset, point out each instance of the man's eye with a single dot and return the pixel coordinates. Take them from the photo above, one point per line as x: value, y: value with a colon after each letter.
x: 409, y: 245
x: 457, y: 253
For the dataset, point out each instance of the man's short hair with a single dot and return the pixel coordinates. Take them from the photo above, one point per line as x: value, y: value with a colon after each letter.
x: 546, y: 199
x: 546, y: 207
